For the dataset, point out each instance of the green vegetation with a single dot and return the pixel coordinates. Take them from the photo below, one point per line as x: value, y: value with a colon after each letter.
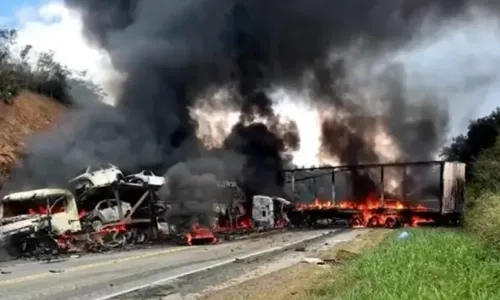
x: 483, y: 189
x: 486, y: 175
x: 483, y: 221
x: 429, y: 264
x: 439, y: 264
x: 470, y: 147
x: 17, y: 72
x: 39, y: 73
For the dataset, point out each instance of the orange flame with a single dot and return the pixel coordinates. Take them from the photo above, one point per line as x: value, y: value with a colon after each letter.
x: 199, y: 233
x: 372, y: 212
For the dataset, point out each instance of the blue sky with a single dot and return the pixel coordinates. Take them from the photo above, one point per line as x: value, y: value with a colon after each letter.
x: 10, y: 9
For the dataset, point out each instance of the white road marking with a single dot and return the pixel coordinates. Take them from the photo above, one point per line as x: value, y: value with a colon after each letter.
x: 220, y: 264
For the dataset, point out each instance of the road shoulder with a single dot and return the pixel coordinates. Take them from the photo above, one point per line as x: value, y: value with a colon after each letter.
x: 294, y: 282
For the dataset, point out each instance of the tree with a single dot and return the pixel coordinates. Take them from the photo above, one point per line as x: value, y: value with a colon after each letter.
x: 84, y: 91
x: 52, y: 78
x: 481, y: 135
x: 46, y: 76
x: 487, y: 171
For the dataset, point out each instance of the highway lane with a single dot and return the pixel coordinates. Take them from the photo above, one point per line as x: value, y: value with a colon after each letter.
x: 96, y: 276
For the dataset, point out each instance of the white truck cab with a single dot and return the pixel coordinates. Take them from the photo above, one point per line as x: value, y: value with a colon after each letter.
x: 262, y: 211
x: 15, y: 215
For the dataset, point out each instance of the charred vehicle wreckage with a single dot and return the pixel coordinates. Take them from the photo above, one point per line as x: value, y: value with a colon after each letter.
x: 105, y: 209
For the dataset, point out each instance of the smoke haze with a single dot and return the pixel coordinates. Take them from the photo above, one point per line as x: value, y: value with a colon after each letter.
x: 175, y: 54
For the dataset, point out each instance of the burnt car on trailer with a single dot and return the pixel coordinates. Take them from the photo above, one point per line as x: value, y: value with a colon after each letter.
x: 106, y: 212
x: 94, y: 177
x: 133, y: 210
x: 146, y: 177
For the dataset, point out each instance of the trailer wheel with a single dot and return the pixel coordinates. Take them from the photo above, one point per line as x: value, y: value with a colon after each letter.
x: 120, y: 239
x: 137, y: 236
x: 21, y: 244
x: 140, y: 238
x: 96, y: 224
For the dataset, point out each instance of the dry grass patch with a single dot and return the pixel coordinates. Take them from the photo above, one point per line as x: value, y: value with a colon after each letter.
x: 29, y: 113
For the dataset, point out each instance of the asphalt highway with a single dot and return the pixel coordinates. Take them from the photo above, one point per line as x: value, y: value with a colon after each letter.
x: 100, y: 276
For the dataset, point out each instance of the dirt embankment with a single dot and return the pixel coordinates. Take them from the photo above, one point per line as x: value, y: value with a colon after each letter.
x: 28, y: 113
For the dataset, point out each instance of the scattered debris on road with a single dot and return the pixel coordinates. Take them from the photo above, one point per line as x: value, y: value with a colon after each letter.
x: 313, y: 260
x: 238, y: 260
x: 301, y: 248
x: 56, y: 271
x: 320, y: 261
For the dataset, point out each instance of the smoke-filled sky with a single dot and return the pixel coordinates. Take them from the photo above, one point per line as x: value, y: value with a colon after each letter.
x: 42, y: 23
x: 461, y: 54
x: 354, y: 80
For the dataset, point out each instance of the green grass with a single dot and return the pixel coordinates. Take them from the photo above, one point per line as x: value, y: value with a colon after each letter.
x: 430, y: 264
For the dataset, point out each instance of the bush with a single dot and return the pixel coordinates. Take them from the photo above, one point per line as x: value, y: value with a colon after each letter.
x: 483, y: 220
x: 487, y: 171
x: 482, y: 217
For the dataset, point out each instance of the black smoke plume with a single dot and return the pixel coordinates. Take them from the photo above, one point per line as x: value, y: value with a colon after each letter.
x: 173, y: 51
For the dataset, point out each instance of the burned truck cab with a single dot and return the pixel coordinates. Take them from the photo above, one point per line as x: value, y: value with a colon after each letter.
x: 37, y: 214
x: 270, y: 212
x: 262, y: 212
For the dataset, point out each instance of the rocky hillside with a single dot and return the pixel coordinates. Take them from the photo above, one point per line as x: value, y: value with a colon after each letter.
x: 28, y: 113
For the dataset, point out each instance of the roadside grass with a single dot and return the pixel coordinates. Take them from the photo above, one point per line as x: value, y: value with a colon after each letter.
x: 429, y: 264
x: 293, y: 283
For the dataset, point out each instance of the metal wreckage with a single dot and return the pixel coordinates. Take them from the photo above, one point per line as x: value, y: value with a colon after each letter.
x: 103, y: 209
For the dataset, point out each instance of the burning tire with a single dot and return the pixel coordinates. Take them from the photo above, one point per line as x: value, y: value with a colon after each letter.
x: 373, y: 222
x: 392, y: 222
x: 356, y: 221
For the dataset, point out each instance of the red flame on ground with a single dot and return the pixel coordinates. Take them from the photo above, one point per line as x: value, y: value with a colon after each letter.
x: 199, y: 234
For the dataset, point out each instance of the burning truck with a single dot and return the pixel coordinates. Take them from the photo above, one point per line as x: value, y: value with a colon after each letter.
x: 229, y: 215
x: 268, y: 213
x: 32, y: 221
x: 100, y: 209
x: 381, y: 195
x: 103, y: 208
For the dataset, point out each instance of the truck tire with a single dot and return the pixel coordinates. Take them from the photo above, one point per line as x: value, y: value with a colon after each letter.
x: 96, y: 224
